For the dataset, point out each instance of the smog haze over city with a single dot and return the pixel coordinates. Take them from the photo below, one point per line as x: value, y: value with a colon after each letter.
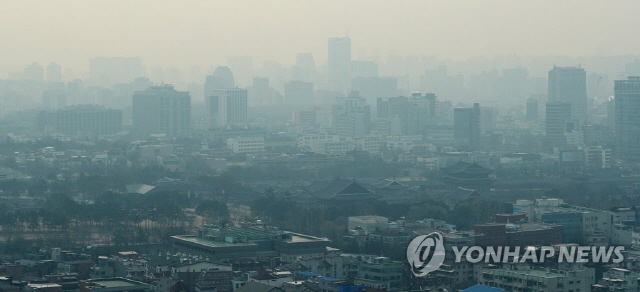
x: 316, y: 146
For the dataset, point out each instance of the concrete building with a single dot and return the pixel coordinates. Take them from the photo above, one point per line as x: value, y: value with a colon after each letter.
x: 569, y: 85
x: 351, y: 116
x: 413, y: 113
x: 54, y: 73
x: 616, y: 279
x: 532, y: 110
x: 380, y: 273
x: 113, y: 285
x: 299, y: 93
x: 55, y: 97
x: 222, y: 78
x: 372, y: 88
x: 161, y: 110
x: 466, y: 126
x: 246, y: 144
x: 557, y: 116
x: 525, y: 278
x: 34, y: 72
x: 598, y: 157
x: 627, y: 118
x: 579, y: 224
x: 369, y: 224
x: 305, y: 118
x: 249, y: 242
x: 339, y: 63
x: 85, y: 120
x: 227, y: 107
x: 108, y: 71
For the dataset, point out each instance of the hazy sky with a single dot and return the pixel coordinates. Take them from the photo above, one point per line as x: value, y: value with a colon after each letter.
x: 184, y: 33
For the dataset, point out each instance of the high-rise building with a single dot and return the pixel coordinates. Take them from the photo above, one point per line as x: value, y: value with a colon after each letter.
x: 54, y: 73
x: 161, y: 110
x: 261, y: 93
x: 351, y: 116
x: 627, y: 118
x: 55, y: 97
x: 86, y: 120
x: 532, y: 110
x: 221, y: 78
x: 569, y: 84
x: 339, y: 63
x: 34, y: 72
x: 299, y: 93
x: 108, y: 71
x: 305, y: 68
x: 372, y: 88
x: 364, y: 69
x: 557, y: 116
x: 488, y: 118
x: 123, y: 92
x: 305, y: 118
x: 412, y: 112
x: 243, y: 68
x: 227, y: 107
x: 466, y: 126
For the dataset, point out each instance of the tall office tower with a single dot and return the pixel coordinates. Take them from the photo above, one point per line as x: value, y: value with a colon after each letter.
x: 123, y: 92
x: 305, y: 68
x: 466, y: 126
x: 261, y: 93
x: 488, y: 118
x: 299, y: 93
x: 569, y: 84
x: 611, y: 113
x: 243, y: 68
x: 75, y: 91
x: 305, y: 118
x: 221, y: 78
x: 34, y: 72
x: 364, y: 69
x: 513, y: 84
x: 438, y: 80
x: 627, y: 118
x: 161, y: 110
x: 54, y: 73
x: 412, y: 112
x: 557, y: 117
x: 532, y: 110
x: 372, y: 88
x: 351, y: 116
x: 339, y: 63
x: 83, y: 120
x: 227, y: 107
x: 55, y: 97
x: 108, y: 71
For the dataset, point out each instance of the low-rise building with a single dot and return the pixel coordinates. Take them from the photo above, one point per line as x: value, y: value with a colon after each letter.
x: 380, y: 273
x: 246, y: 144
x: 113, y: 285
x: 523, y: 277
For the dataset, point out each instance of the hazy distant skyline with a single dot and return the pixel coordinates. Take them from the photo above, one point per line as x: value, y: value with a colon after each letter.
x: 187, y: 33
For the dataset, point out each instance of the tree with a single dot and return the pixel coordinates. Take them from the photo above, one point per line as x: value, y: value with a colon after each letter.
x: 211, y: 209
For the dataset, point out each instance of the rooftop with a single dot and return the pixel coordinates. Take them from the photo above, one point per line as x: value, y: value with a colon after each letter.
x: 114, y: 282
x: 210, y: 243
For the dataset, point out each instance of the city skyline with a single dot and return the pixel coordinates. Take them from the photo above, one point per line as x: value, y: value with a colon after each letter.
x: 189, y: 31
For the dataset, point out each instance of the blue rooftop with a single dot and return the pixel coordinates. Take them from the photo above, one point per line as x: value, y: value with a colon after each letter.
x: 308, y: 274
x: 330, y: 279
x: 482, y: 288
